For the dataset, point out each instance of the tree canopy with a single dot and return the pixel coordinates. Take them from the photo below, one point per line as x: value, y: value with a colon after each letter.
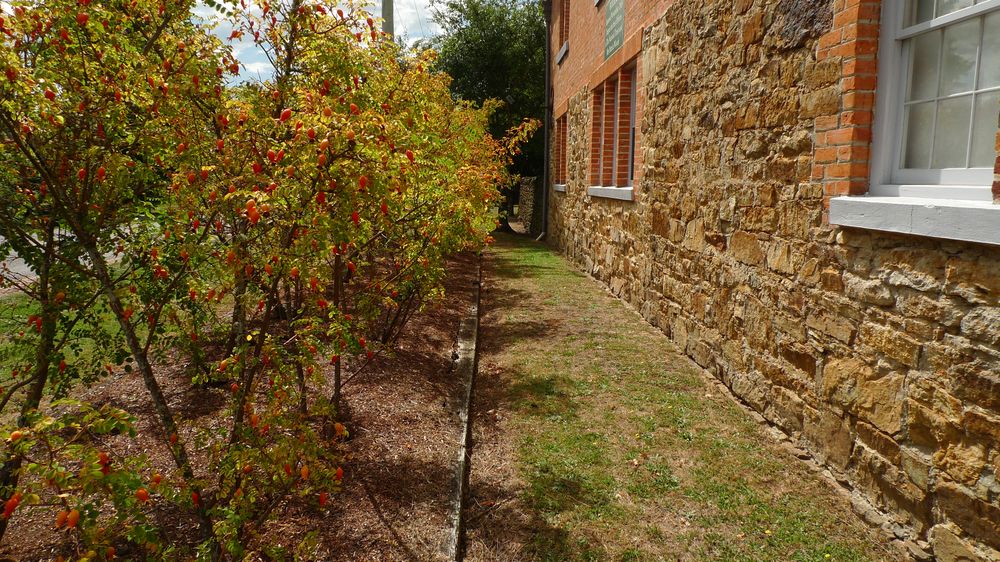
x: 495, y: 49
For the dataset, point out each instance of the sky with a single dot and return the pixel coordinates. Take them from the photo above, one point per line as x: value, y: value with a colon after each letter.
x: 413, y: 22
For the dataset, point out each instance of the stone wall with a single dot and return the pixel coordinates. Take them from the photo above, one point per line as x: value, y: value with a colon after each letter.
x: 878, y: 353
x: 526, y: 205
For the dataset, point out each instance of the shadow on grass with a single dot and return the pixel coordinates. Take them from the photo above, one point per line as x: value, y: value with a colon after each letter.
x: 554, y: 482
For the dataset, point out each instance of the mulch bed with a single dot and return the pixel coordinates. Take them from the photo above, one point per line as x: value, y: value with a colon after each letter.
x: 399, y: 471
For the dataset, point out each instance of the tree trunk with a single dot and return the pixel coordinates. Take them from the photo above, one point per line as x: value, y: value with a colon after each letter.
x: 236, y: 329
x: 338, y: 290
x: 167, y: 421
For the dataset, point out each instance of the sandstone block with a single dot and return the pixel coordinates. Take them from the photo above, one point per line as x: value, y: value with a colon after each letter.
x: 831, y: 325
x: 976, y: 517
x: 890, y: 343
x: 746, y: 248
x: 916, y: 467
x: 983, y: 324
x: 821, y: 102
x: 978, y: 385
x: 927, y: 427
x: 963, y: 461
x: 840, y: 381
x: 870, y: 291
x: 948, y: 547
x: 829, y: 434
x: 824, y: 73
x: 694, y: 236
x: 973, y: 280
x: 880, y: 402
x: 853, y: 385
x: 780, y: 258
x: 878, y: 441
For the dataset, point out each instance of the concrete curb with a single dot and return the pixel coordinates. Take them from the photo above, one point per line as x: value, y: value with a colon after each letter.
x: 466, y: 364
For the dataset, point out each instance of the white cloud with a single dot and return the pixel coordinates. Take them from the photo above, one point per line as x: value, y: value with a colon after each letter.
x: 413, y: 19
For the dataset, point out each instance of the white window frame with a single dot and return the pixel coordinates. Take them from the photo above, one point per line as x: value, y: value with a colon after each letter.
x: 887, y: 178
x: 953, y: 206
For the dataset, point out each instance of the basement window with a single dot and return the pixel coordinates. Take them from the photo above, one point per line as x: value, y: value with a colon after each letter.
x: 937, y: 108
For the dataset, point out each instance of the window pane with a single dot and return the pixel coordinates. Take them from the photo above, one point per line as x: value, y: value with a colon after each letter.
x: 919, y: 127
x: 948, y: 6
x: 989, y: 70
x: 985, y: 129
x: 951, y: 137
x: 961, y: 46
x: 919, y: 11
x: 924, y: 52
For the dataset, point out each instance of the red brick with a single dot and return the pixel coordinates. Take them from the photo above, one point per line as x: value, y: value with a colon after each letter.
x: 831, y: 39
x: 825, y: 155
x: 846, y: 170
x: 860, y: 67
x: 827, y: 122
x: 859, y: 101
x: 853, y: 153
x: 848, y: 135
x: 866, y: 83
x: 849, y: 118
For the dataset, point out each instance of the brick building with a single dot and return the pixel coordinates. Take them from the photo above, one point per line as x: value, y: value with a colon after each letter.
x: 805, y: 196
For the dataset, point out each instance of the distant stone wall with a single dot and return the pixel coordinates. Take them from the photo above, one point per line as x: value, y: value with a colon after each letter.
x: 526, y: 203
x: 879, y: 353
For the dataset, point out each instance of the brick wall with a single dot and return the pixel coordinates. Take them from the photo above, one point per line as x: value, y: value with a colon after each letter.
x: 879, y: 353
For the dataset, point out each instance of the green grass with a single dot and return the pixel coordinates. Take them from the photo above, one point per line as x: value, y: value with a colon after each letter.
x: 15, y: 308
x: 85, y: 351
x: 628, y: 454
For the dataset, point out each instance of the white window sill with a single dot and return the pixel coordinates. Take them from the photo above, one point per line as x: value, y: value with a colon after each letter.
x: 949, y: 192
x: 619, y: 193
x: 562, y: 52
x: 970, y: 221
x: 559, y: 187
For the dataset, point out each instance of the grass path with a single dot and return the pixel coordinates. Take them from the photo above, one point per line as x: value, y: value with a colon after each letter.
x: 595, y: 439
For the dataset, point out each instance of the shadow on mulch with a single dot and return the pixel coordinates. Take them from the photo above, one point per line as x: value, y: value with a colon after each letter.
x: 399, y: 470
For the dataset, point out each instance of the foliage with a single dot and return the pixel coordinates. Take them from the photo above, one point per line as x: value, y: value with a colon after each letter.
x: 279, y: 234
x: 495, y: 49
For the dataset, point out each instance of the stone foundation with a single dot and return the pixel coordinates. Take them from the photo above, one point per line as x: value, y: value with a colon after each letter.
x: 878, y: 353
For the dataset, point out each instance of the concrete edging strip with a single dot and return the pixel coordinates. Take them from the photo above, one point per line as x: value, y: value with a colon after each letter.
x: 466, y: 363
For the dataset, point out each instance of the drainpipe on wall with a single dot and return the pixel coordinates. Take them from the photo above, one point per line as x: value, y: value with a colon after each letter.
x: 548, y: 119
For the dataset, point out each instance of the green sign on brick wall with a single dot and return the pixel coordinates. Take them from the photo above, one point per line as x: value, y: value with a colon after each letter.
x: 614, y: 26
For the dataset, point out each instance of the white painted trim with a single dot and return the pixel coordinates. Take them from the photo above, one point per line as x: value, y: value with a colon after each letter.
x: 886, y: 127
x: 559, y: 188
x: 970, y: 221
x: 948, y: 19
x: 888, y: 130
x: 563, y: 51
x: 961, y: 192
x: 619, y: 193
